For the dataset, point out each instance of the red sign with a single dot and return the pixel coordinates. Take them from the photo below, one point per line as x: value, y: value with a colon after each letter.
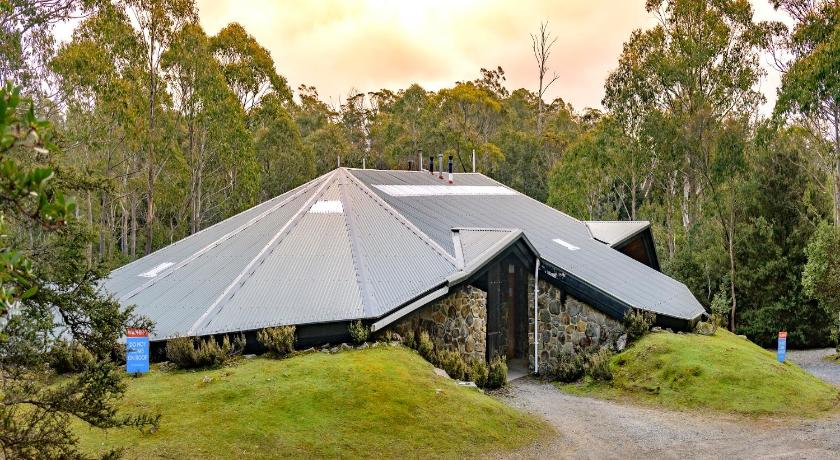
x: 136, y: 332
x: 783, y: 334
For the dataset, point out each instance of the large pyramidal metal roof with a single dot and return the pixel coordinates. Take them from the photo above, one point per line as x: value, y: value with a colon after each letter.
x: 360, y: 244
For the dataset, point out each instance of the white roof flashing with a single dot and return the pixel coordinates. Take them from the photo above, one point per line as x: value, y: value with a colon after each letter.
x: 327, y: 207
x: 445, y: 190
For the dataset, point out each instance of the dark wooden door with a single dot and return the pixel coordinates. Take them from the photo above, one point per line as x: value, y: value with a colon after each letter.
x: 494, y: 312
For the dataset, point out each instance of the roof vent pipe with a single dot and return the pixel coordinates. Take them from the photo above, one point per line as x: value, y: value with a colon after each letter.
x: 364, y: 163
x: 473, y: 159
x: 410, y: 165
x: 450, y: 169
x: 339, y: 160
x: 419, y: 159
x: 431, y: 164
x: 440, y: 162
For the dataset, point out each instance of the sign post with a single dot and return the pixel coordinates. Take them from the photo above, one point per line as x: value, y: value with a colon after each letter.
x: 780, y: 353
x: 136, y: 350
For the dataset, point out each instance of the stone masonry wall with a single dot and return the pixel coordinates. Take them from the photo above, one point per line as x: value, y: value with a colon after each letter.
x: 566, y: 325
x: 456, y: 322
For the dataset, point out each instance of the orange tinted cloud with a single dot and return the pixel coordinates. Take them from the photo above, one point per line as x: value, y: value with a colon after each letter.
x: 372, y: 44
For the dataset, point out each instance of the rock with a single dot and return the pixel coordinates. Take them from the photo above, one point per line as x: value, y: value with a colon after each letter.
x: 363, y: 346
x: 467, y: 384
x: 344, y: 346
x: 565, y: 318
x: 621, y: 343
x: 554, y: 307
x: 441, y: 373
x: 656, y: 329
x: 375, y: 344
x: 395, y: 344
x: 308, y: 350
x: 249, y: 356
x: 743, y: 336
x: 581, y: 326
x: 396, y: 337
x: 334, y: 350
x: 207, y: 379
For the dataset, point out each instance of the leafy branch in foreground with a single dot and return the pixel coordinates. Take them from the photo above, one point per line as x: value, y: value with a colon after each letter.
x: 49, y: 295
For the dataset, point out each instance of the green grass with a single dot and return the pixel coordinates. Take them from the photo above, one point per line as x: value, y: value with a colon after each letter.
x: 375, y: 403
x: 722, y: 372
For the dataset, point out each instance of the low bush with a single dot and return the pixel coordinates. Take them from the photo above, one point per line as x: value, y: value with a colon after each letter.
x: 637, y: 323
x: 279, y: 341
x: 189, y: 353
x: 452, y: 362
x: 67, y: 357
x: 598, y: 365
x: 359, y: 332
x: 425, y: 346
x: 477, y: 372
x: 569, y: 367
x: 408, y: 339
x: 706, y: 328
x: 497, y: 373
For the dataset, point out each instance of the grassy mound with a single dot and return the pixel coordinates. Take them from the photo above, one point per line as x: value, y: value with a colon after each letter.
x: 381, y: 402
x: 722, y: 372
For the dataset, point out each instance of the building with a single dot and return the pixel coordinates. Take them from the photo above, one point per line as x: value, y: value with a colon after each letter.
x: 407, y: 250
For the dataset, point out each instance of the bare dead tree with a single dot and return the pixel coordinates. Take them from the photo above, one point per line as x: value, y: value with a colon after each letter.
x: 541, y: 44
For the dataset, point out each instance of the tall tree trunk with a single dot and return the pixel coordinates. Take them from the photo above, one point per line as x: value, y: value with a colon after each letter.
x: 150, y: 160
x: 731, y: 243
x: 836, y: 169
x: 133, y: 205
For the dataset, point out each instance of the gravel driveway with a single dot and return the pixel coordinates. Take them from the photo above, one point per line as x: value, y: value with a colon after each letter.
x: 596, y: 429
x: 813, y: 362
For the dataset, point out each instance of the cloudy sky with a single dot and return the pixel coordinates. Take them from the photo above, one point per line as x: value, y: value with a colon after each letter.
x: 339, y: 45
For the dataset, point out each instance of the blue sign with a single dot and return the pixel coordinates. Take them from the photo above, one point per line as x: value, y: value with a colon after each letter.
x: 137, y: 351
x: 780, y: 353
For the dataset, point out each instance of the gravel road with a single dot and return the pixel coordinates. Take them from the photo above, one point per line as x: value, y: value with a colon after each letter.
x: 597, y: 429
x: 813, y: 362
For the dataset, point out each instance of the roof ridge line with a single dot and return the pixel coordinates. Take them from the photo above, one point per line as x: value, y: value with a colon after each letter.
x: 358, y: 264
x: 402, y: 219
x: 260, y: 255
x: 297, y: 192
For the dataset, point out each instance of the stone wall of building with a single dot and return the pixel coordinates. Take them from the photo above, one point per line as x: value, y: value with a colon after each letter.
x: 456, y: 322
x: 566, y: 325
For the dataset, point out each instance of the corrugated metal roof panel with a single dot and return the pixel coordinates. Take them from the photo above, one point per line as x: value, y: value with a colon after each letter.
x: 597, y: 264
x: 475, y: 242
x: 615, y: 232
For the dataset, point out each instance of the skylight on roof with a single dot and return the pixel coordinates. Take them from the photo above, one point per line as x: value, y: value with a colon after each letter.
x: 445, y: 190
x: 327, y: 207
x: 156, y: 271
x: 566, y: 244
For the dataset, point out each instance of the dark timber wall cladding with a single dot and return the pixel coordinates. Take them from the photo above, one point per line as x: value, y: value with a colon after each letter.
x: 566, y: 325
x: 456, y: 322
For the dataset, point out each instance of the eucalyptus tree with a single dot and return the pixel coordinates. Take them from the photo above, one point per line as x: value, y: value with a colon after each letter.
x: 809, y: 54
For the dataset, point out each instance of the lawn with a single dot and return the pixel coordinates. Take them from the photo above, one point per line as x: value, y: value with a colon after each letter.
x: 374, y: 403
x: 722, y: 372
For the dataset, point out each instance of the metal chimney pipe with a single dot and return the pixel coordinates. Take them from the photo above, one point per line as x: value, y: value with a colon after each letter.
x: 473, y: 159
x: 410, y: 165
x: 419, y: 159
x: 364, y: 163
x: 450, y: 169
x: 339, y: 160
x: 440, y: 162
x: 431, y: 164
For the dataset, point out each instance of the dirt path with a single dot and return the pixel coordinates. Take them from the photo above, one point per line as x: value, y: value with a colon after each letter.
x: 813, y: 362
x: 597, y: 429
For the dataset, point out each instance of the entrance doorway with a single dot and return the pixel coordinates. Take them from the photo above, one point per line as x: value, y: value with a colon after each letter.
x: 507, y: 310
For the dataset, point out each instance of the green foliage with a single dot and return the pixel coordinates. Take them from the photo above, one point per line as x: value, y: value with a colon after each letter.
x: 821, y: 276
x: 409, y: 340
x: 598, y: 365
x: 67, y: 357
x: 637, y: 323
x: 452, y: 362
x: 279, y: 341
x: 190, y: 353
x: 569, y: 367
x: 497, y: 373
x: 425, y: 346
x: 359, y: 332
x: 477, y: 372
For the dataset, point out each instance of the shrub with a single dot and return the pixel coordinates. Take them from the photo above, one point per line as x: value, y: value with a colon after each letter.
x: 425, y: 346
x: 188, y: 353
x: 637, y: 323
x: 477, y: 372
x: 359, y: 332
x: 279, y: 341
x: 452, y: 362
x: 598, y: 365
x: 706, y: 328
x: 66, y: 357
x: 497, y: 373
x: 408, y: 339
x: 569, y: 367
